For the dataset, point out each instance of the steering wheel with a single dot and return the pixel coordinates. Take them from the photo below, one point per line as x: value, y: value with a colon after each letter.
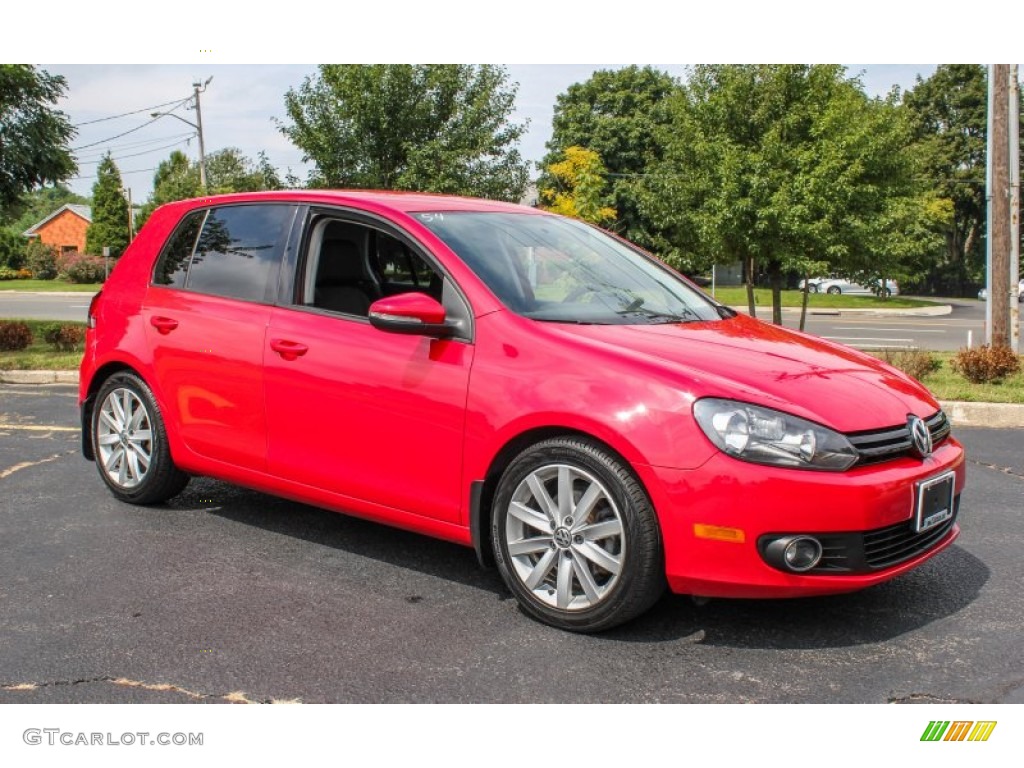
x: 579, y: 291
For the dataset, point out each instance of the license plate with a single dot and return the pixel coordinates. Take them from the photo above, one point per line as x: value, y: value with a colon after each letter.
x: 934, y: 501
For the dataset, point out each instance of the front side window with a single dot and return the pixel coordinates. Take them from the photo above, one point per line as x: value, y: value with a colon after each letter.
x: 560, y: 270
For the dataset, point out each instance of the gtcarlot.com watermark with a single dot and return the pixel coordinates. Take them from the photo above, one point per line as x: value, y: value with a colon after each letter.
x: 56, y: 737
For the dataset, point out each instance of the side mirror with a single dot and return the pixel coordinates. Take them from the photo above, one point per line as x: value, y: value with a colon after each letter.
x: 414, y: 313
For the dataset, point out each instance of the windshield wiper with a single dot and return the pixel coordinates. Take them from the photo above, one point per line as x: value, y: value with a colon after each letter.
x: 653, y: 314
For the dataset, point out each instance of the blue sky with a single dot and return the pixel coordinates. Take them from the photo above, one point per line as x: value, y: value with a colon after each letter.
x: 241, y: 102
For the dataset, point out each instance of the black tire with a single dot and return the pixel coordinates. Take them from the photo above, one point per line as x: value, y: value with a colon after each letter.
x: 812, y: 288
x: 624, y: 572
x: 130, y: 478
x: 835, y: 290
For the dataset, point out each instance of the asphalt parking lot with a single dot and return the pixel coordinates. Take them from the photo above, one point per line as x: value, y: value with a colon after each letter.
x: 230, y: 595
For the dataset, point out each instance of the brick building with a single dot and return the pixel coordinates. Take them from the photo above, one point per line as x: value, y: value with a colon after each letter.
x: 64, y: 229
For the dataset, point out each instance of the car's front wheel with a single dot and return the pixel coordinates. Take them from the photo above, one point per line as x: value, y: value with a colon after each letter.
x: 130, y: 443
x: 835, y: 290
x: 575, y: 536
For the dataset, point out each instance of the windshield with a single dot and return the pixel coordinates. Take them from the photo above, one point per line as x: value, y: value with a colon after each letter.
x: 561, y: 270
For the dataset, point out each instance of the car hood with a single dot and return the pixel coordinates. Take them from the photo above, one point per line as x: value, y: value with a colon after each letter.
x: 745, y: 359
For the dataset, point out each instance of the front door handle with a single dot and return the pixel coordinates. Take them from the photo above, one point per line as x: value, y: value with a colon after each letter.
x: 163, y: 324
x: 289, y: 350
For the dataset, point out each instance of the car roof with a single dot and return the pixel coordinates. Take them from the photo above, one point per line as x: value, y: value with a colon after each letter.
x: 405, y: 202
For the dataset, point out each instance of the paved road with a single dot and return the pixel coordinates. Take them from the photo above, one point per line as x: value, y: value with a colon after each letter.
x: 942, y: 333
x: 227, y: 590
x: 44, y: 306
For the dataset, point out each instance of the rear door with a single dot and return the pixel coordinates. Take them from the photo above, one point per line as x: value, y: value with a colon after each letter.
x: 206, y: 314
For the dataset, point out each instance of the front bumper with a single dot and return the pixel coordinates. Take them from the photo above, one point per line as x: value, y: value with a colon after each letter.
x: 848, y: 507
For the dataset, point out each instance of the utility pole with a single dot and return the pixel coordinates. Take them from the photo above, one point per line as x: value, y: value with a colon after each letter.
x: 998, y: 192
x: 1014, y: 276
x: 198, y: 89
x: 131, y: 216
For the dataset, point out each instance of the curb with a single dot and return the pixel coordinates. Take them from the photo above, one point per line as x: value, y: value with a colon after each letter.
x: 1001, y: 415
x: 38, y: 377
x: 961, y: 414
x: 87, y: 294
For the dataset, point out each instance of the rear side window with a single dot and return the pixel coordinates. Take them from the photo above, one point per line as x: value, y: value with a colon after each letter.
x: 238, y: 251
x: 172, y: 268
x: 232, y: 251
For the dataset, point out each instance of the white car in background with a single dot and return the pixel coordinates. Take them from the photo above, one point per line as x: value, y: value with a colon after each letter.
x: 983, y: 293
x: 838, y: 285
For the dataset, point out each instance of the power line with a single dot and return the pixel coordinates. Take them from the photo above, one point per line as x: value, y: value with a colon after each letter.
x: 84, y: 158
x: 135, y: 112
x: 136, y: 154
x: 123, y: 173
x: 118, y: 136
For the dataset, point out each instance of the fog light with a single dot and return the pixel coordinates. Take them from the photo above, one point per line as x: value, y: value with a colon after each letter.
x: 793, y: 554
x: 802, y: 554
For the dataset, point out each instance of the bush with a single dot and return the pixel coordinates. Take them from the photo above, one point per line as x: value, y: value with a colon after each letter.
x: 41, y: 260
x: 12, y: 249
x: 6, y: 273
x: 985, y: 364
x: 14, y: 336
x: 913, y: 362
x: 79, y: 268
x: 64, y: 337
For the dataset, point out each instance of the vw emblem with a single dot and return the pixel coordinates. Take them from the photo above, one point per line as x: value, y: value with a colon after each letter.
x: 563, y: 538
x: 920, y: 437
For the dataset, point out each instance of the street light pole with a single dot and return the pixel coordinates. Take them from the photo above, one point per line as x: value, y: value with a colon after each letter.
x: 198, y: 88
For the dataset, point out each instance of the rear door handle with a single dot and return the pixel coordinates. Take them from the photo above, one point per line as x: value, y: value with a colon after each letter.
x: 289, y: 350
x: 163, y: 324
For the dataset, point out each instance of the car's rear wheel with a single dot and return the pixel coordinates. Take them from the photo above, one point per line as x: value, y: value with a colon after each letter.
x: 812, y: 288
x: 130, y: 443
x: 575, y: 536
x: 835, y: 290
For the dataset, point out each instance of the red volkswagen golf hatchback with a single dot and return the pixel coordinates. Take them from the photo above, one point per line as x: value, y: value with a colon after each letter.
x: 513, y: 381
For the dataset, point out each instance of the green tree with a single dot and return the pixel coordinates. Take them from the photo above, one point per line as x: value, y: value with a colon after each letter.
x: 227, y: 170
x: 109, y: 226
x: 619, y: 115
x: 580, y: 183
x: 782, y: 167
x: 428, y: 127
x: 949, y: 116
x: 34, y: 135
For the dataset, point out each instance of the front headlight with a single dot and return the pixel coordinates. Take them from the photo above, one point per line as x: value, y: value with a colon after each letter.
x: 766, y: 436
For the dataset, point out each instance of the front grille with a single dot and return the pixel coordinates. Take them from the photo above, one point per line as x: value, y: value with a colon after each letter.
x: 893, y: 442
x: 867, y: 551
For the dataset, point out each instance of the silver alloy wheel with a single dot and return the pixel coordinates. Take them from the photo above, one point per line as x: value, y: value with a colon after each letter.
x: 565, y: 537
x: 124, y: 438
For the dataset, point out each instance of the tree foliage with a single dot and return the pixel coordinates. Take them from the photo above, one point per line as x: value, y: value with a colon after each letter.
x: 783, y: 167
x: 429, y: 127
x: 109, y: 227
x: 34, y: 135
x: 227, y: 170
x: 579, y: 187
x: 619, y: 114
x: 948, y: 112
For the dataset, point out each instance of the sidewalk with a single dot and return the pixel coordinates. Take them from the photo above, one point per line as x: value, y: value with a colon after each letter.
x: 961, y: 414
